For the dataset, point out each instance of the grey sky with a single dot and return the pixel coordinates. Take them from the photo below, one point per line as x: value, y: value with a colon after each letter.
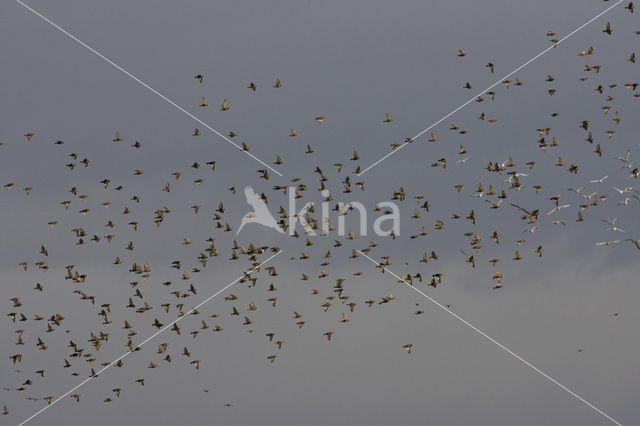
x: 351, y: 62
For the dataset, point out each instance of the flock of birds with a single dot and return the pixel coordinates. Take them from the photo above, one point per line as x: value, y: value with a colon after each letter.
x: 83, y: 358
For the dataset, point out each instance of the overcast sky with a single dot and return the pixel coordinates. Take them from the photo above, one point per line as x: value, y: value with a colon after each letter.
x: 350, y: 62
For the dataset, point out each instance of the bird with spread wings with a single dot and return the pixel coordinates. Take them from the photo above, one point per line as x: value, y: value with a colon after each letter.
x: 260, y: 213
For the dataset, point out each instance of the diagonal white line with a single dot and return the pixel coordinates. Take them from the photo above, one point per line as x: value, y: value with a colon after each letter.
x: 145, y: 85
x: 492, y: 86
x: 53, y: 402
x: 497, y: 343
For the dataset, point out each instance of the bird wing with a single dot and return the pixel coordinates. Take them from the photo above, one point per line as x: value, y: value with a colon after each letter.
x: 260, y: 207
x: 253, y: 199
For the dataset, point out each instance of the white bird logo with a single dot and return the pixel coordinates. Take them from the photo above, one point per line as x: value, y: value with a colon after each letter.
x: 260, y: 213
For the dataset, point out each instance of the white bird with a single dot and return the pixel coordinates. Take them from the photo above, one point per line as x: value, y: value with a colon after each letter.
x: 612, y: 222
x: 626, y: 157
x: 555, y: 209
x: 628, y: 166
x: 606, y: 243
x: 602, y: 179
x: 622, y: 191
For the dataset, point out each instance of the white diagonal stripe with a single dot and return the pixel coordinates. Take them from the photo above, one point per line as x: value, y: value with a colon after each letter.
x: 494, y: 341
x: 492, y: 86
x: 145, y: 85
x: 53, y: 402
